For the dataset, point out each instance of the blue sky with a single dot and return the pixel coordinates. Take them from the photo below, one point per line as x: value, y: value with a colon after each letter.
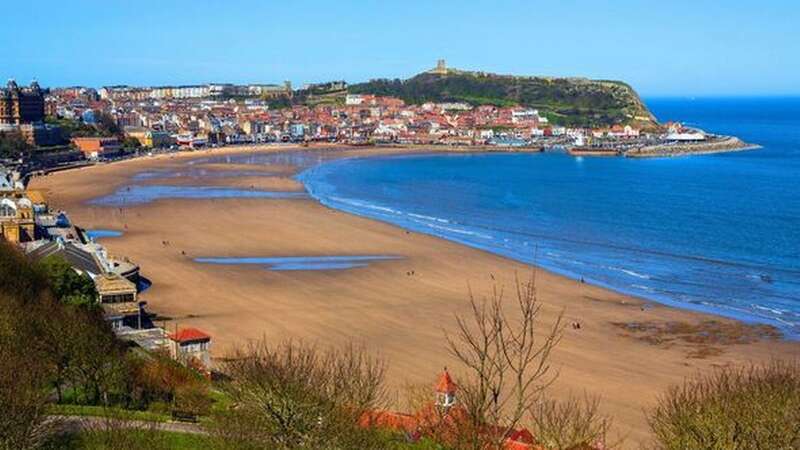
x: 676, y: 48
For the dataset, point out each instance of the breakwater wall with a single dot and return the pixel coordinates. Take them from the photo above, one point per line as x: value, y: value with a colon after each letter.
x: 718, y: 145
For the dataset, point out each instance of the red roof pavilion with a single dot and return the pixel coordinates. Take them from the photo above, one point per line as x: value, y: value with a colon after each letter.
x: 189, y: 335
x: 445, y: 383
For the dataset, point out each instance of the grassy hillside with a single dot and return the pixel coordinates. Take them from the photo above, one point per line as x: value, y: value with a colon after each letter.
x: 566, y: 101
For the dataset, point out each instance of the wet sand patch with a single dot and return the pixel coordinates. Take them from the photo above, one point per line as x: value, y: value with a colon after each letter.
x: 288, y: 263
x: 261, y: 182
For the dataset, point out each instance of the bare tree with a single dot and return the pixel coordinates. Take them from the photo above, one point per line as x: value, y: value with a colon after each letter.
x: 575, y: 422
x: 295, y: 395
x: 506, y: 360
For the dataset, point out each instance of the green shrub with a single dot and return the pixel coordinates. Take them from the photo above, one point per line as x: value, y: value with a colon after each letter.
x: 756, y: 407
x: 67, y: 285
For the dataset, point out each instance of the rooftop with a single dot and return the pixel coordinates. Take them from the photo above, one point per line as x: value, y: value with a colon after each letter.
x: 75, y: 256
x: 113, y: 284
x: 189, y: 335
x: 149, y: 339
x: 120, y: 309
x: 446, y: 383
x: 36, y: 196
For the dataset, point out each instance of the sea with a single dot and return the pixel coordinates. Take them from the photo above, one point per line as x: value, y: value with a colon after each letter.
x: 715, y: 233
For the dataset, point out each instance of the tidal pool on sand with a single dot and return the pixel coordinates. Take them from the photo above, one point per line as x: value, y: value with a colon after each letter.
x: 132, y: 195
x: 303, y: 262
x: 197, y: 173
x: 99, y: 233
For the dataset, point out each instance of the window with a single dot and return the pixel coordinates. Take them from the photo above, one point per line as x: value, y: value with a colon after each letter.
x: 117, y: 298
x: 195, y: 347
x: 7, y: 210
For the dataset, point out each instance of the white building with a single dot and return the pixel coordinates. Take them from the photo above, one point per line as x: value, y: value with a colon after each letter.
x: 353, y: 100
x: 527, y: 115
x: 686, y: 137
x: 191, y: 346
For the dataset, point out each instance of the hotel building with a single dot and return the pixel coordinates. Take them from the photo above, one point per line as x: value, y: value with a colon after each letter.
x: 20, y: 106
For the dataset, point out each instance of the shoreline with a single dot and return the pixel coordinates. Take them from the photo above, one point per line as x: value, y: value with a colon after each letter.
x: 740, y: 316
x: 401, y: 316
x: 338, y: 152
x: 348, y: 152
x: 729, y: 145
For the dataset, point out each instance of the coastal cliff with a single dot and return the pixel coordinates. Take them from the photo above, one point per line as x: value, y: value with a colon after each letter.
x: 577, y: 102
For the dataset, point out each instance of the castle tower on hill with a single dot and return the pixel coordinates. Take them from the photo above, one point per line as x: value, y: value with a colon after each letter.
x: 441, y: 67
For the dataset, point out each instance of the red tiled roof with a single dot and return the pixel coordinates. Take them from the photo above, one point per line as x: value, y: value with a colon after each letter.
x: 517, y: 445
x: 448, y: 423
x: 445, y: 383
x: 521, y: 435
x: 448, y: 420
x: 521, y: 439
x: 188, y: 335
x: 389, y: 419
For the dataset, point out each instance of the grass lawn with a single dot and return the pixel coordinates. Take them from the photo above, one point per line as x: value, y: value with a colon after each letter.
x: 132, y: 439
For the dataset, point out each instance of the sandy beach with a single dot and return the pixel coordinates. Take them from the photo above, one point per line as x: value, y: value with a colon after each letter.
x: 399, y: 308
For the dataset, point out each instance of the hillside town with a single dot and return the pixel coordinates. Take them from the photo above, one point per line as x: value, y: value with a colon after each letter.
x: 195, y: 116
x: 54, y: 121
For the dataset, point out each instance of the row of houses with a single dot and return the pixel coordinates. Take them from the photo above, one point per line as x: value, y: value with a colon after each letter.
x: 193, y: 91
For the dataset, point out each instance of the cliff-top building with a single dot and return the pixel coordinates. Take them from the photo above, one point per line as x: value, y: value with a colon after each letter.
x: 441, y: 68
x: 20, y: 106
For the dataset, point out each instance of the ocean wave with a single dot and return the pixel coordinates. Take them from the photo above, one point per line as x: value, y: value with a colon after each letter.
x: 636, y: 274
x: 561, y: 258
x: 359, y: 204
x: 426, y: 220
x: 777, y: 311
x: 643, y: 288
x: 754, y: 311
x: 424, y: 217
x: 632, y: 273
x: 460, y: 231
